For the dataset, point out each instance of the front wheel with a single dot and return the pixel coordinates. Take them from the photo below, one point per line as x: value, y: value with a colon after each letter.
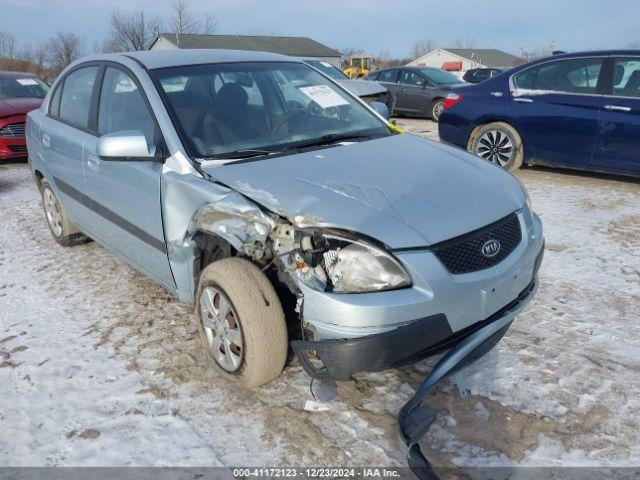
x: 437, y: 106
x: 241, y: 322
x: 499, y: 143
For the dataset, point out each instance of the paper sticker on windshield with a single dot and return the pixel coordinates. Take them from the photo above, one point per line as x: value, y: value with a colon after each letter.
x: 324, y: 96
x: 326, y: 64
x: 26, y: 81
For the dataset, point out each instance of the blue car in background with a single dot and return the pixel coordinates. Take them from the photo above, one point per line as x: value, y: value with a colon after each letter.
x: 578, y: 110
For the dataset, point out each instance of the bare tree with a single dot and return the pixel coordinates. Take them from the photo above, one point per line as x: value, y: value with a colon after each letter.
x: 184, y: 21
x: 131, y: 31
x: 464, y: 43
x: 63, y: 48
x: 7, y: 45
x: 420, y: 48
x: 209, y: 24
x: 383, y: 59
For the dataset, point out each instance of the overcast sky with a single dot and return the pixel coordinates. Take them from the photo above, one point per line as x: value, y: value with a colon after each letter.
x: 372, y: 25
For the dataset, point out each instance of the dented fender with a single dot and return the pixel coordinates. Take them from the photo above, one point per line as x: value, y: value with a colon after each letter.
x: 192, y: 204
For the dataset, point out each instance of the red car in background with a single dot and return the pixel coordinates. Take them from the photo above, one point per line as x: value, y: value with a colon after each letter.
x: 19, y: 94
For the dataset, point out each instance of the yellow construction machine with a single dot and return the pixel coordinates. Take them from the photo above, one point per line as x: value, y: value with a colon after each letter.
x: 358, y: 67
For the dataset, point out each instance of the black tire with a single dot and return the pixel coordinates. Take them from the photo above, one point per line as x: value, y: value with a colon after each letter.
x: 255, y: 311
x: 61, y: 228
x: 435, y: 109
x: 480, y: 145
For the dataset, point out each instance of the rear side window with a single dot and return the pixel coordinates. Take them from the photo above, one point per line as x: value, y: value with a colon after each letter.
x: 122, y: 106
x: 387, y: 76
x: 567, y: 76
x: 626, y: 77
x: 75, y: 102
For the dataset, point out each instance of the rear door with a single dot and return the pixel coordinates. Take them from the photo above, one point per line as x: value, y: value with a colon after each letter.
x: 124, y: 195
x: 557, y: 106
x: 64, y: 133
x: 618, y: 145
x: 415, y: 92
x: 388, y: 78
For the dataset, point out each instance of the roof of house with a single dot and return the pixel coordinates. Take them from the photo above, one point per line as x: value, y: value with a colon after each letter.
x: 489, y: 57
x: 292, y: 46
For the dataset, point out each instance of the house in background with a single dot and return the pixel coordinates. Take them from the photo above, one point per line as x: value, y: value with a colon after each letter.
x: 292, y: 46
x: 459, y: 60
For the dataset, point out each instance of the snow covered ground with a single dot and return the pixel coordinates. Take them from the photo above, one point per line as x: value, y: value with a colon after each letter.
x: 100, y: 366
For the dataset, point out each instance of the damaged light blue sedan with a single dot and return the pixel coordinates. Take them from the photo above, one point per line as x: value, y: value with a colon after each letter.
x: 288, y: 211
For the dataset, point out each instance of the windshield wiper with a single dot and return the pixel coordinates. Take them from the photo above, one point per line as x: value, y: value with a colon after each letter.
x: 327, y: 140
x: 239, y: 154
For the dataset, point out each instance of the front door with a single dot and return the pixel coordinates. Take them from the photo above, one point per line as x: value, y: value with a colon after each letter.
x: 618, y: 145
x: 125, y: 195
x: 413, y: 96
x: 557, y: 107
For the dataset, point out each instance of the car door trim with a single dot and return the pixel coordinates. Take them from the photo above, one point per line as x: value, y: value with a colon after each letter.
x: 110, y: 215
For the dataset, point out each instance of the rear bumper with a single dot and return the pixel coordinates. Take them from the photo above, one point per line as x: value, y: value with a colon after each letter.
x: 452, y: 134
x: 339, y: 359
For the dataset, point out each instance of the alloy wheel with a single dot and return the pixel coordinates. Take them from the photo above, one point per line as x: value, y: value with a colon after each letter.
x: 222, y: 328
x: 52, y: 212
x: 495, y: 146
x: 437, y: 110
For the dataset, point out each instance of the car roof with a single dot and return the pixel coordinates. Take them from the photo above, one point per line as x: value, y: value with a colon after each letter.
x: 590, y: 53
x: 152, y: 59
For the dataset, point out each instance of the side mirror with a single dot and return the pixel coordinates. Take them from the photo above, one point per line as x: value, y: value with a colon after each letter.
x: 381, y: 109
x: 125, y: 145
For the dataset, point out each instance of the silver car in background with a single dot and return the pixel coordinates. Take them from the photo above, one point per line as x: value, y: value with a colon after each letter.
x: 368, y: 90
x: 288, y: 212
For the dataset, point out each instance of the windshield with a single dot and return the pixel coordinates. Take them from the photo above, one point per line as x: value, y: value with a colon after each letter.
x: 440, y: 77
x: 224, y: 108
x: 327, y: 69
x: 11, y: 87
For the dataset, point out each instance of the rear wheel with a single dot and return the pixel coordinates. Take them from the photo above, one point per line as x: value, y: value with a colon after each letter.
x: 437, y: 106
x: 241, y: 322
x: 61, y: 228
x: 499, y: 143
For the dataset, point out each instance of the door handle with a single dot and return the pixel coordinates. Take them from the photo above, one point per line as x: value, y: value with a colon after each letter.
x: 522, y: 100
x: 93, y: 163
x: 617, y: 108
x: 46, y: 140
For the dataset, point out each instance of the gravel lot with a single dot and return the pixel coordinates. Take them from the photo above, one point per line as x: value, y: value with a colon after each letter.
x: 100, y: 366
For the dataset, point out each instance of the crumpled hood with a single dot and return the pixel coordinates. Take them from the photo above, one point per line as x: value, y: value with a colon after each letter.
x: 402, y: 190
x: 18, y: 106
x: 362, y: 88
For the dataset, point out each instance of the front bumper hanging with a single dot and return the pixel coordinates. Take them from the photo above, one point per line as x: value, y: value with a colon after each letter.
x: 340, y: 359
x: 415, y: 419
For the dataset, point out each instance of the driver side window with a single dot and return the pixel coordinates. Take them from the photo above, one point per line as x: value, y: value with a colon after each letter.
x: 409, y: 77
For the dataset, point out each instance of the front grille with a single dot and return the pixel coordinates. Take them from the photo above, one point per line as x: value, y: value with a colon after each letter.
x: 13, y: 130
x: 464, y: 254
x: 18, y: 148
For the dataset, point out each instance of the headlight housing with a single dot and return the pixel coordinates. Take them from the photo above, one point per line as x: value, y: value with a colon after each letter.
x: 340, y: 263
x: 527, y: 198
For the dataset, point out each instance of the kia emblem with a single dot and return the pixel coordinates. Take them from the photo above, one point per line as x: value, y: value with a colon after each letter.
x: 490, y: 248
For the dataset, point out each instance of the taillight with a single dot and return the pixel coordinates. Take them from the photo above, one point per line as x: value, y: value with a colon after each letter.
x: 451, y: 100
